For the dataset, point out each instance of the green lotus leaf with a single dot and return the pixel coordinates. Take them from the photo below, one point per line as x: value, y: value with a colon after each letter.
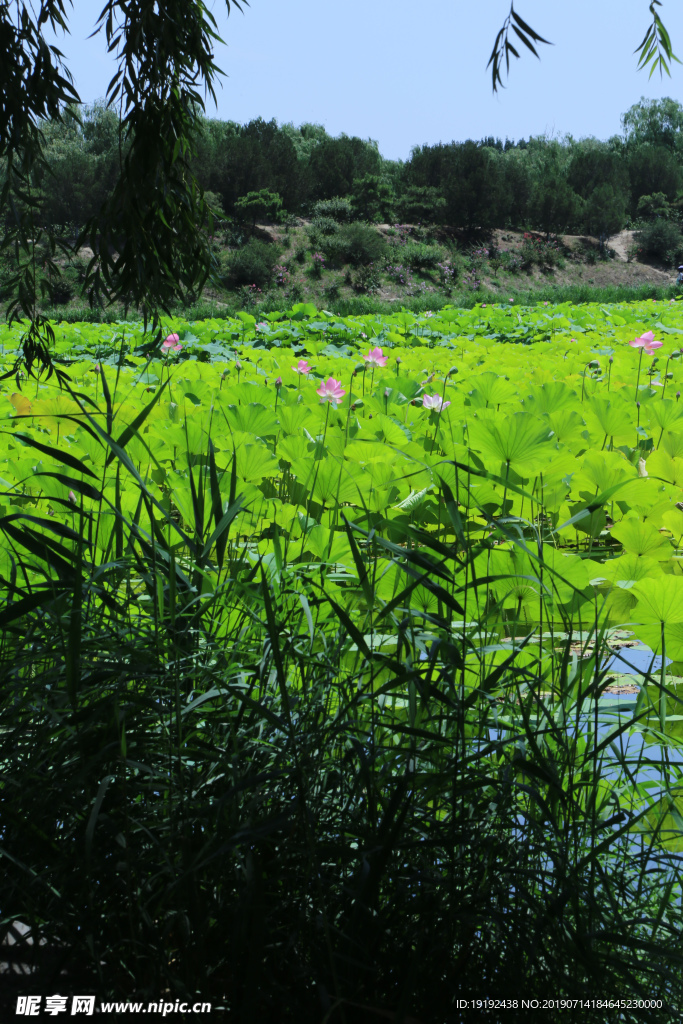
x: 516, y: 440
x: 673, y: 521
x: 639, y: 538
x: 365, y: 451
x: 490, y: 390
x: 290, y: 418
x: 567, y: 427
x: 611, y: 419
x: 254, y: 419
x: 292, y: 448
x: 663, y: 415
x: 254, y: 462
x: 664, y: 467
x: 550, y: 399
x: 629, y: 569
x: 665, y: 820
x: 659, y: 609
x: 603, y: 470
x: 330, y: 480
x: 328, y: 546
x: 390, y: 431
x: 671, y: 442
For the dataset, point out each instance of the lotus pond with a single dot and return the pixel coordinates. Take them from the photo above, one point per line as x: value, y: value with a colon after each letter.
x: 564, y: 446
x: 421, y: 545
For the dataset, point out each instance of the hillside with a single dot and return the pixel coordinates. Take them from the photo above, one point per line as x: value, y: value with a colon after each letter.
x: 415, y: 260
x: 358, y: 266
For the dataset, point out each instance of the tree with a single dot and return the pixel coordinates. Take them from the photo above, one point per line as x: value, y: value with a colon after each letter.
x: 654, y: 207
x: 655, y: 122
x: 422, y: 203
x: 334, y: 165
x: 553, y: 203
x: 372, y: 197
x: 468, y: 176
x: 653, y: 169
x: 604, y: 212
x: 148, y: 238
x: 259, y: 204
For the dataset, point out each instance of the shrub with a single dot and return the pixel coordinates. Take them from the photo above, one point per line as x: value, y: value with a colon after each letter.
x: 259, y: 205
x: 360, y: 245
x: 318, y: 261
x: 235, y: 235
x: 321, y: 230
x: 323, y: 226
x: 660, y: 240
x: 419, y: 256
x: 63, y: 291
x: 338, y: 209
x: 398, y: 273
x: 367, y: 279
x: 508, y: 260
x: 281, y: 275
x: 248, y: 295
x: 252, y: 264
x: 300, y: 254
x: 537, y: 252
x: 447, y: 274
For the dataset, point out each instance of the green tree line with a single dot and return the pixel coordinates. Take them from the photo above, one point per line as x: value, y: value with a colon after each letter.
x: 262, y: 169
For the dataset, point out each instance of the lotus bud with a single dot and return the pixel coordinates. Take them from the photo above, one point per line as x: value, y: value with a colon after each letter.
x: 611, y: 360
x: 669, y: 375
x: 278, y: 382
x: 678, y: 395
x: 453, y: 369
x: 387, y: 392
x: 637, y: 405
x: 398, y: 359
x: 238, y: 364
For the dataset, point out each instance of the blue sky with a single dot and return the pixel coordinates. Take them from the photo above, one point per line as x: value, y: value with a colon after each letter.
x: 406, y: 73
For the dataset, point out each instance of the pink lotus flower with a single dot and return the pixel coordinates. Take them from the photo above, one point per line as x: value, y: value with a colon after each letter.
x: 330, y: 391
x: 375, y: 358
x: 302, y: 367
x: 434, y: 402
x: 646, y: 341
x: 172, y: 343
